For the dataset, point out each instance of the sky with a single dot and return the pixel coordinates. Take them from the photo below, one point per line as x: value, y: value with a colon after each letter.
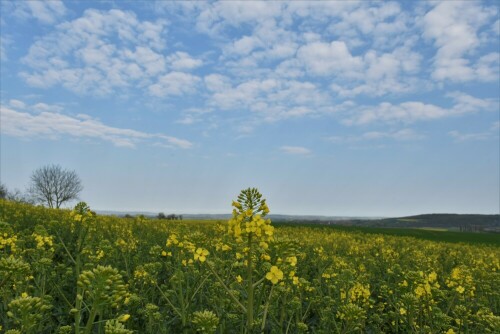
x: 338, y: 108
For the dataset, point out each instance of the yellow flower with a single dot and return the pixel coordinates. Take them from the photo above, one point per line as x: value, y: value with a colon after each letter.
x: 24, y: 295
x: 420, y: 291
x: 274, y: 275
x: 201, y: 254
x: 450, y: 331
x: 460, y: 289
x: 292, y: 260
x: 402, y: 311
x: 124, y: 318
x: 239, y: 279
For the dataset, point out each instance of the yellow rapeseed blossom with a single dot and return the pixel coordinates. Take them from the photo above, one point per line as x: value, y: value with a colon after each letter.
x: 124, y: 318
x: 420, y: 291
x: 5, y: 241
x: 274, y: 275
x: 292, y: 260
x: 201, y: 254
x: 265, y: 257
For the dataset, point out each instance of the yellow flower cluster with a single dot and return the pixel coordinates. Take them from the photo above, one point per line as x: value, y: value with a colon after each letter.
x: 248, y: 218
x: 81, y: 212
x: 172, y: 240
x: 241, y: 224
x: 461, y: 280
x: 359, y: 292
x: 6, y: 241
x: 42, y: 241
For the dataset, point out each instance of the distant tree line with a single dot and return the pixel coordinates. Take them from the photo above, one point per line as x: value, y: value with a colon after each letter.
x: 162, y: 216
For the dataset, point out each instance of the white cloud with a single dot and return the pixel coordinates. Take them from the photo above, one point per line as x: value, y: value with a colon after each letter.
x: 398, y: 135
x: 221, y: 14
x: 488, y: 134
x: 373, y: 73
x: 187, y: 120
x: 402, y: 135
x: 183, y: 61
x: 41, y: 107
x: 99, y: 53
x: 245, y: 45
x: 461, y: 137
x: 5, y: 42
x: 46, y: 12
x: 409, y: 112
x: 144, y: 59
x: 454, y: 27
x: 174, y: 84
x: 53, y: 125
x: 325, y: 59
x: 217, y: 82
x: 17, y: 104
x: 296, y: 150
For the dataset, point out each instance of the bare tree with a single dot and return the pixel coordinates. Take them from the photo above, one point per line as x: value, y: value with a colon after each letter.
x: 3, y: 191
x: 53, y: 185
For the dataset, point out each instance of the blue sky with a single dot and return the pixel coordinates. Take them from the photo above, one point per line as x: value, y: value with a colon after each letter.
x: 329, y: 108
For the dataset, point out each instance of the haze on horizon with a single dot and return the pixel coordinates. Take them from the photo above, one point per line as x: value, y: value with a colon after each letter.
x: 333, y: 108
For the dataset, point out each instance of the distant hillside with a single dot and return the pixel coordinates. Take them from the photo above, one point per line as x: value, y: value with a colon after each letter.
x: 459, y: 222
x: 223, y: 216
x: 464, y: 222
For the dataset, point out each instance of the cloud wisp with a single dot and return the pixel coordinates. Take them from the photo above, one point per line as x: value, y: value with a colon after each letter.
x: 295, y: 150
x: 53, y: 125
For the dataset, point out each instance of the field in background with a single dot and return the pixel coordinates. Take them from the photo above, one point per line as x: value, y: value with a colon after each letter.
x: 434, y: 234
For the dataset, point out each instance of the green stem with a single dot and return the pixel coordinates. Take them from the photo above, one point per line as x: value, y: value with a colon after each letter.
x: 266, y: 309
x: 169, y: 302
x: 197, y: 289
x: 78, y: 315
x: 5, y: 280
x: 66, y: 249
x: 259, y: 281
x: 250, y: 286
x: 243, y: 308
x: 90, y: 322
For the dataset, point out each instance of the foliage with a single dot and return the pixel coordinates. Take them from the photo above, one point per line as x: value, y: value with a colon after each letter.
x: 71, y: 271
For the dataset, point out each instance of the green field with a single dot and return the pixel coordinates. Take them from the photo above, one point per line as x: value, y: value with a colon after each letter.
x: 419, y: 233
